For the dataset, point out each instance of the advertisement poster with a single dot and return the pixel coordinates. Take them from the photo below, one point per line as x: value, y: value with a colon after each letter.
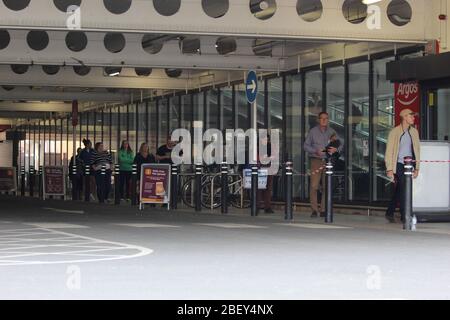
x: 54, y: 181
x: 407, y: 96
x: 155, y: 183
x: 8, y: 181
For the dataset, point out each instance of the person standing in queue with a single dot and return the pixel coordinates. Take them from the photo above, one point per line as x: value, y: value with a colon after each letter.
x: 126, y: 159
x: 77, y: 178
x: 142, y: 157
x: 164, y: 153
x: 85, y: 157
x: 266, y: 194
x: 101, y: 157
x: 315, y: 144
x: 403, y: 141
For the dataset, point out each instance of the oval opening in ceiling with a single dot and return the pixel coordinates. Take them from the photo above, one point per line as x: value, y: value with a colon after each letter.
x: 114, y: 42
x: 263, y: 9
x: 167, y: 7
x: 399, y: 12
x: 117, y: 6
x: 37, y: 40
x: 76, y: 41
x: 16, y: 5
x: 309, y: 10
x: 64, y: 5
x: 215, y: 8
x: 354, y: 11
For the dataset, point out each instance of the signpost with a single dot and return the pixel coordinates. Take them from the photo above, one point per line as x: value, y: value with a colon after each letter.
x: 54, y: 181
x: 251, y: 90
x: 8, y: 180
x: 155, y: 184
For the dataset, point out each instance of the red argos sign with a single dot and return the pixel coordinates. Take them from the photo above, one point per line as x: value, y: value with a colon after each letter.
x: 407, y: 96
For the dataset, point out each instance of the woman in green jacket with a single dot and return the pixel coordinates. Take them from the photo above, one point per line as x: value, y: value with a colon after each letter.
x: 126, y: 159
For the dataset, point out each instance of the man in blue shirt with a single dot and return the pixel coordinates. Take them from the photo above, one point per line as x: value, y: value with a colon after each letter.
x: 315, y: 144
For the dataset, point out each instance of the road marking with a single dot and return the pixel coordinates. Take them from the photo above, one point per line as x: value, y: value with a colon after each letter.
x: 65, y: 211
x: 51, y: 225
x: 231, y: 226
x: 312, y: 226
x: 60, y: 247
x: 145, y: 225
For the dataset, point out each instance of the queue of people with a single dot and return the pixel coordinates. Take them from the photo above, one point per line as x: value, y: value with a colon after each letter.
x: 100, y: 164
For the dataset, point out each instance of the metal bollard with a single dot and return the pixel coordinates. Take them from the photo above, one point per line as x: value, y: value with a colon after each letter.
x: 103, y: 184
x: 407, y: 198
x: 31, y: 183
x: 133, y: 185
x: 117, y: 184
x: 254, y: 209
x: 22, y: 181
x: 174, y: 187
x: 198, y: 187
x: 224, y: 189
x: 40, y: 187
x: 329, y: 189
x: 87, y: 183
x: 75, y: 186
x: 289, y: 204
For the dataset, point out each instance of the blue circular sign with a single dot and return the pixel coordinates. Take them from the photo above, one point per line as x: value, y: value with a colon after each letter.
x: 251, y: 86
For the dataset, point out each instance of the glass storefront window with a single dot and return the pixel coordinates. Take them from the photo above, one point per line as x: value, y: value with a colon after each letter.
x: 242, y: 108
x: 186, y: 112
x: 294, y: 129
x: 174, y: 117
x: 313, y: 92
x: 163, y: 128
x: 383, y: 123
x: 212, y: 109
x: 143, y: 123
x: 335, y: 106
x: 358, y: 158
x: 227, y: 112
x: 153, y: 133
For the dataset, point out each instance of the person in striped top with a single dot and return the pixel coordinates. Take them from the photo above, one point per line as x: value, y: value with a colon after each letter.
x: 101, y: 158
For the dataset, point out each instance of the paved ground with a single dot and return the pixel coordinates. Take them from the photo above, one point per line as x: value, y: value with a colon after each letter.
x: 57, y: 250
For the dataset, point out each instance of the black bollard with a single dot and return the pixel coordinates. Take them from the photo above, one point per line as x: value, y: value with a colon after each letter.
x: 288, y: 180
x: 329, y: 192
x: 75, y: 186
x: 198, y: 187
x: 31, y: 181
x: 87, y: 183
x: 174, y: 187
x: 133, y: 185
x: 117, y: 184
x: 254, y: 209
x: 407, y: 198
x: 103, y: 187
x: 22, y: 181
x: 40, y: 187
x: 224, y: 188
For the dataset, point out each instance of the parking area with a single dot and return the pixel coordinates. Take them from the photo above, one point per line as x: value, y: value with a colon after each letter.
x: 90, y: 251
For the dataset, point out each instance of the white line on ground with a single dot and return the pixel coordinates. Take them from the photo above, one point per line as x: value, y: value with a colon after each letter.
x: 145, y: 225
x: 312, y: 226
x: 231, y: 226
x: 51, y: 225
x: 64, y: 211
x: 93, y: 250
